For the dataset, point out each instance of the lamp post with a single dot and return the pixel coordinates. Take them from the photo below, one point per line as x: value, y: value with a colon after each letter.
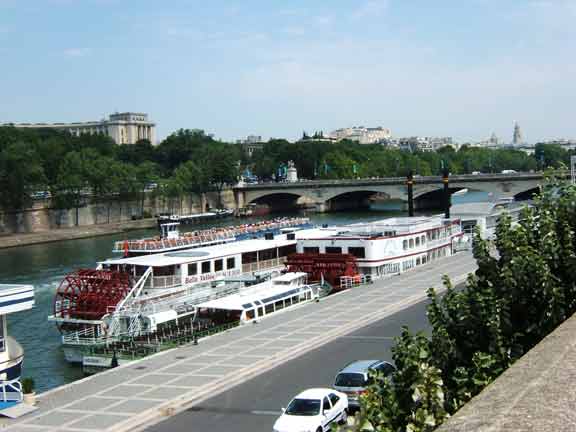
x: 410, y: 184
x: 445, y: 175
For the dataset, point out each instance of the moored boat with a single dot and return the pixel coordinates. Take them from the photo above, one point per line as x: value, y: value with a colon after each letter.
x: 171, y: 239
x: 367, y: 251
x: 13, y: 298
x: 128, y: 297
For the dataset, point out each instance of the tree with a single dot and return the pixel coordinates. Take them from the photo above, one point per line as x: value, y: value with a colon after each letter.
x: 20, y: 175
x: 71, y: 184
x: 222, y: 167
x: 193, y: 179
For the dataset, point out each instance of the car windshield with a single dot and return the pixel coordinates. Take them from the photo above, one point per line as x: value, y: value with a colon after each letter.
x: 303, y: 407
x: 350, y: 380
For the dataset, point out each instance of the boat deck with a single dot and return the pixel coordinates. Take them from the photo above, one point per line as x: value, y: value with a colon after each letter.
x: 142, y: 393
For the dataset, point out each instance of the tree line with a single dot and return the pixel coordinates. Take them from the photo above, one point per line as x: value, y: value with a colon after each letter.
x: 76, y: 169
x: 347, y: 159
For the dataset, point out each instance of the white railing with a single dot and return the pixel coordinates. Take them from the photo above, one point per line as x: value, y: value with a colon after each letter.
x: 11, y: 390
x: 86, y: 336
x: 263, y: 265
x: 347, y: 282
x: 164, y: 281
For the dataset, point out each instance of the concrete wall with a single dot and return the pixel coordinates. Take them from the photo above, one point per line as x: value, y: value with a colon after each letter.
x: 41, y: 217
x: 535, y: 394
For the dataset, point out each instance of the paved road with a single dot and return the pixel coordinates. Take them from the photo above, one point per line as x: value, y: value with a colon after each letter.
x: 255, y: 404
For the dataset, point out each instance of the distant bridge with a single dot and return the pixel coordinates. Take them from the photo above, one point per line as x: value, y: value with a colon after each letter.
x: 333, y: 195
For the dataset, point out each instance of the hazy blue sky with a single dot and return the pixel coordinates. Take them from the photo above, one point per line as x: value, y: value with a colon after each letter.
x: 463, y: 68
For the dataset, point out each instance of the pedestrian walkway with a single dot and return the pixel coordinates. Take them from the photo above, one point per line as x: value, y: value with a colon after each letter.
x: 142, y: 393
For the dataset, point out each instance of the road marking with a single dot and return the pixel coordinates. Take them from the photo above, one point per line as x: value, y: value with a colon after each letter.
x: 368, y: 337
x: 266, y: 413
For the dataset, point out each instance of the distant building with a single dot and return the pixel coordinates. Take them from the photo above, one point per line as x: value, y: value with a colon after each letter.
x: 417, y: 143
x: 123, y: 128
x: 362, y: 135
x: 517, y: 136
x: 250, y: 144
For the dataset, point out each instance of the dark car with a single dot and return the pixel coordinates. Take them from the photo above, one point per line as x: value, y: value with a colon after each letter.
x: 354, y: 378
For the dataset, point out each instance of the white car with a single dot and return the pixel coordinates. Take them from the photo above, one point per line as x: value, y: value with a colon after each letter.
x: 313, y: 410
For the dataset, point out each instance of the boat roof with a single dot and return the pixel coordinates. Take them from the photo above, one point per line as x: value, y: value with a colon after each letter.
x: 202, y: 254
x: 398, y: 225
x: 254, y: 296
x: 287, y: 277
x: 484, y: 208
x: 16, y: 298
x: 210, y: 252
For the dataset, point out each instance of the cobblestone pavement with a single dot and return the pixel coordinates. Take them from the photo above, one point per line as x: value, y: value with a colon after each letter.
x: 139, y: 394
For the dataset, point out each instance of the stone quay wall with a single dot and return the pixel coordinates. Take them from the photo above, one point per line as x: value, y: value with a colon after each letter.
x: 43, y: 217
x: 538, y: 393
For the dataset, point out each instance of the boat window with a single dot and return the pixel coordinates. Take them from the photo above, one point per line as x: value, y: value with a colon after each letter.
x: 417, y: 241
x: 250, y: 314
x: 230, y: 263
x: 206, y: 267
x: 411, y: 243
x: 2, y: 341
x: 192, y: 269
x: 269, y: 308
x: 423, y: 239
x: 358, y: 252
x: 287, y: 250
x: 267, y: 254
x: 405, y: 244
x: 218, y: 265
x: 249, y: 257
x: 331, y: 249
x: 314, y: 250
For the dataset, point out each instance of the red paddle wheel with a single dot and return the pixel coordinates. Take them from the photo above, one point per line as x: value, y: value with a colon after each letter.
x: 328, y: 266
x: 88, y: 294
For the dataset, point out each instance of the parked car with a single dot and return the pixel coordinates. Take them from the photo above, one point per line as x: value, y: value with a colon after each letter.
x: 508, y: 171
x: 354, y: 378
x: 313, y: 410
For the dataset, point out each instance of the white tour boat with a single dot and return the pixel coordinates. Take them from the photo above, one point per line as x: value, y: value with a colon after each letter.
x: 172, y: 239
x: 128, y: 297
x: 375, y: 249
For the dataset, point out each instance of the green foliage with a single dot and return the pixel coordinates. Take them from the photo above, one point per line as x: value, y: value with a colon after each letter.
x: 27, y: 385
x: 524, y: 287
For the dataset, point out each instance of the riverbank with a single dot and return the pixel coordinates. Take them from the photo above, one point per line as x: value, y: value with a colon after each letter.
x: 80, y: 232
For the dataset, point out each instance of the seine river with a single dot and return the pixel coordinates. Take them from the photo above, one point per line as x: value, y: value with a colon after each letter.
x: 44, y: 267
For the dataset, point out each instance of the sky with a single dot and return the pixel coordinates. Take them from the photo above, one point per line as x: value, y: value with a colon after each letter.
x: 461, y: 68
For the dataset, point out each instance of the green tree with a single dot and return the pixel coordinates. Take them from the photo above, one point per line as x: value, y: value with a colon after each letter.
x: 193, y: 179
x: 20, y: 175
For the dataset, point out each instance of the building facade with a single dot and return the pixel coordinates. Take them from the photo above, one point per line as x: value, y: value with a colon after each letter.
x: 123, y: 128
x: 362, y: 135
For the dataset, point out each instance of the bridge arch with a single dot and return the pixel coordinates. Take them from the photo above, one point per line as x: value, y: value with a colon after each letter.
x: 353, y: 200
x: 278, y: 201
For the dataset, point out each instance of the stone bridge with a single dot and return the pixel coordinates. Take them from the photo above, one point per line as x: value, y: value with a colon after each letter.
x: 334, y: 195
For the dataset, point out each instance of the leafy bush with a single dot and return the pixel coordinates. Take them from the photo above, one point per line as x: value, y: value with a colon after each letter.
x: 27, y: 385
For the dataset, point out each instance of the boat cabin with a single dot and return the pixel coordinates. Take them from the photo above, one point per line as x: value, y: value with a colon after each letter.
x: 260, y: 300
x: 388, y: 246
x: 178, y: 269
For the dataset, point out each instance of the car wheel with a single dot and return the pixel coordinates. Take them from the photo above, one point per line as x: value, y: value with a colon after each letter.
x: 343, y: 418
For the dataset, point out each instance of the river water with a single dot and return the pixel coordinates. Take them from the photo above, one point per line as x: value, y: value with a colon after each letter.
x: 45, y: 265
